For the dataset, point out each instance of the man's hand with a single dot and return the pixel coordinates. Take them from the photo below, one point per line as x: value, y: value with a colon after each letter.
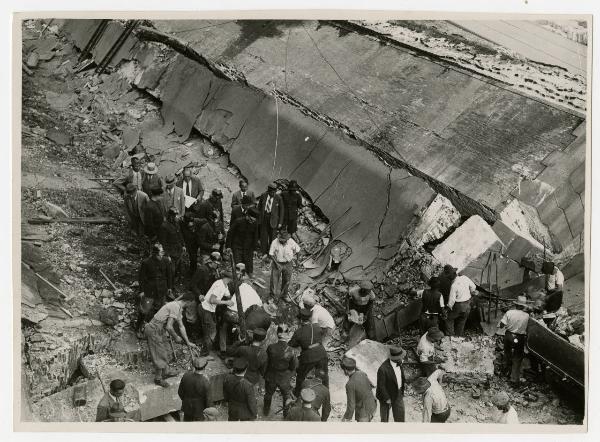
x: 229, y: 302
x: 170, y: 292
x: 178, y: 339
x: 389, y: 402
x: 192, y: 345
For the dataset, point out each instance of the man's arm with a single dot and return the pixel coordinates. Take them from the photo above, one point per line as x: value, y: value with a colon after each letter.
x: 350, y: 402
x: 172, y: 331
x: 472, y: 286
x: 427, y: 408
x: 251, y: 399
x: 281, y: 212
x: 382, y: 393
x: 452, y: 297
x: 183, y: 333
x: 121, y: 182
x: 102, y: 413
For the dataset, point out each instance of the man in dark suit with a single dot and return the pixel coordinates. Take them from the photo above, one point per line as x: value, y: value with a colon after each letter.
x: 292, y: 201
x: 322, y: 399
x: 236, y: 198
x: 281, y: 364
x: 360, y: 401
x: 191, y: 185
x: 304, y: 411
x: 239, y: 393
x: 270, y: 219
x: 135, y: 206
x: 390, y: 386
x: 242, y: 239
x: 193, y: 392
x: 256, y: 357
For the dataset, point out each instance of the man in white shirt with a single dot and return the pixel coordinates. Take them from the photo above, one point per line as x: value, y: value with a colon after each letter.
x: 555, y: 279
x: 320, y: 316
x: 508, y: 414
x: 436, y: 408
x: 208, y: 306
x: 459, y: 305
x: 515, y: 321
x: 282, y: 252
x: 426, y: 350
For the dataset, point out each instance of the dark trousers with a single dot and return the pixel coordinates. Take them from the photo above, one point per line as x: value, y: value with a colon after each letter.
x: 397, y: 407
x: 457, y: 317
x: 280, y: 279
x: 192, y: 250
x: 267, y: 234
x: 428, y: 321
x: 514, y: 351
x: 440, y: 418
x: 305, y: 367
x: 244, y: 255
x: 273, y: 381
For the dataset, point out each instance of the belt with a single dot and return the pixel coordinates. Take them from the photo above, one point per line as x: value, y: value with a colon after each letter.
x: 430, y: 314
x: 314, y: 345
x: 462, y: 302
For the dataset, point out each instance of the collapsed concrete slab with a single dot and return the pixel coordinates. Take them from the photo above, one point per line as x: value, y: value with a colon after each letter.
x: 468, y: 360
x: 434, y: 222
x: 369, y: 355
x: 517, y: 245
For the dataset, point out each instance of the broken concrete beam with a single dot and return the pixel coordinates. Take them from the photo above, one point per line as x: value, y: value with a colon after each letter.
x: 517, y: 245
x: 468, y: 361
x: 494, y: 271
x: 467, y: 243
x: 369, y: 355
x: 525, y: 220
x: 434, y: 222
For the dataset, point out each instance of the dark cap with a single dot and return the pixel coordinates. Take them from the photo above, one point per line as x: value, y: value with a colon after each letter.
x: 217, y: 193
x: 156, y: 190
x: 170, y: 179
x: 449, y: 270
x: 307, y: 395
x: 397, y: 353
x: 199, y: 363
x: 434, y: 282
x: 293, y: 185
x: 240, y: 364
x: 420, y: 385
x: 259, y: 334
x: 305, y: 313
x: 366, y: 285
x: 117, y: 384
x: 434, y: 334
x: 348, y: 363
x: 272, y: 186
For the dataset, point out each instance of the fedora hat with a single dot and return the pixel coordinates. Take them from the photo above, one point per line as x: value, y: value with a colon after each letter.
x: 397, y: 353
x: 150, y: 168
x: 521, y: 300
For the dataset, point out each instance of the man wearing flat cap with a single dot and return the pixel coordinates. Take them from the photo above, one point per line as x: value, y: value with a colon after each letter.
x: 322, y: 402
x: 135, y: 202
x: 515, y: 320
x: 360, y: 401
x: 253, y: 353
x: 173, y: 196
x: 270, y: 218
x: 111, y: 402
x: 390, y: 386
x: 304, y: 412
x: 426, y: 350
x: 211, y: 414
x: 508, y: 414
x: 239, y: 393
x: 436, y: 408
x: 281, y: 364
x: 361, y: 299
x: 194, y: 391
x: 313, y: 356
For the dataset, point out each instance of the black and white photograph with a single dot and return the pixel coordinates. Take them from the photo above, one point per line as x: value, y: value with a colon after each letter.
x: 332, y: 220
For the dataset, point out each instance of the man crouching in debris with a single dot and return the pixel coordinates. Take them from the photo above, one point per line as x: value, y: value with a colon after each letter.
x: 426, y: 350
x: 361, y: 300
x: 111, y: 402
x: 158, y: 342
x: 515, y: 321
x: 436, y: 408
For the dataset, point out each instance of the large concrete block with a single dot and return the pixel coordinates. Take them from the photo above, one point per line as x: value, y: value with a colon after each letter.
x: 532, y: 192
x: 369, y: 355
x: 493, y: 271
x: 434, y: 222
x: 575, y: 214
x: 467, y: 243
x: 468, y: 360
x: 516, y: 244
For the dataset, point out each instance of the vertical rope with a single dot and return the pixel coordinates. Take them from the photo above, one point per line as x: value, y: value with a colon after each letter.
x: 276, y: 134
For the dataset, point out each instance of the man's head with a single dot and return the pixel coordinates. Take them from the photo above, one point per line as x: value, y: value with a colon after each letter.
x: 243, y: 186
x: 283, y: 332
x: 283, y: 237
x: 348, y: 365
x: 308, y: 298
x: 271, y: 309
x: 135, y: 164
x: 421, y: 385
x: 307, y: 395
x: 271, y: 189
x: 156, y: 191
x: 216, y: 195
x: 397, y: 353
x: 172, y: 213
x: 187, y: 174
x: 449, y: 271
x: 252, y: 215
x: 434, y: 283
x: 226, y: 276
x: 151, y: 168
x: 292, y: 185
x: 521, y: 303
x: 210, y: 414
x: 131, y: 189
x: 259, y: 335
x: 117, y: 387
x: 434, y: 335
x: 501, y: 400
x: 170, y: 182
x: 365, y: 288
x: 157, y: 250
x: 199, y: 363
x: 548, y: 268
x: 186, y: 299
x: 239, y: 366
x: 213, y: 260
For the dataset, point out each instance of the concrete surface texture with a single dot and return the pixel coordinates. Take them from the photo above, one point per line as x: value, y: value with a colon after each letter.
x: 468, y: 358
x: 437, y: 219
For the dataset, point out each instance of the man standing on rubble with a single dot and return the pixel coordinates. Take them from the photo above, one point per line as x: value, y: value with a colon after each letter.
x: 237, y: 199
x: 173, y: 196
x: 111, y: 402
x: 240, y: 210
x: 208, y: 307
x: 292, y: 202
x: 253, y: 353
x: 239, y: 393
x: 313, y: 355
x: 515, y: 321
x: 270, y: 219
x: 361, y: 300
x: 281, y: 364
x: 155, y: 283
x: 169, y: 235
x: 459, y: 305
x: 133, y: 175
x: 436, y: 408
x: 158, y: 343
x: 555, y: 281
x: 359, y: 395
x: 154, y: 213
x: 426, y: 350
x: 446, y: 278
x: 320, y: 316
x: 283, y: 251
x: 390, y: 386
x: 191, y: 185
x: 190, y: 239
x: 242, y: 240
x: 194, y: 391
x: 432, y: 305
x: 135, y: 208
x: 151, y: 177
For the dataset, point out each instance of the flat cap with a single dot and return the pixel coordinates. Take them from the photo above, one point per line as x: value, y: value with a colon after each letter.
x: 348, y: 363
x: 272, y: 186
x: 199, y: 363
x: 435, y: 334
x: 448, y: 269
x: 170, y: 179
x: 366, y: 285
x: 307, y: 395
x: 240, y: 364
x: 259, y: 334
x: 117, y: 384
x: 500, y: 399
x: 211, y: 413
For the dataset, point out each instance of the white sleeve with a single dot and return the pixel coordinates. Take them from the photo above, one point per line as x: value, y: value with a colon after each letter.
x: 442, y: 301
x: 272, y: 248
x: 560, y: 278
x: 472, y: 286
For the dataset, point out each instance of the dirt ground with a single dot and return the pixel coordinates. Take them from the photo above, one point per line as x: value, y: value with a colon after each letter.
x: 66, y: 175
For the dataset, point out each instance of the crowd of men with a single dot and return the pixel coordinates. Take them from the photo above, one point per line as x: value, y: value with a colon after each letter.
x: 176, y: 221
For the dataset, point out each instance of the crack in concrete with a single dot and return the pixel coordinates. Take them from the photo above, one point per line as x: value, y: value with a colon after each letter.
x: 332, y: 182
x: 564, y: 215
x: 309, y: 153
x: 387, y: 206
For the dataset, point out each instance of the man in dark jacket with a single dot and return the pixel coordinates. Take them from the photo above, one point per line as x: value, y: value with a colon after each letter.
x: 445, y: 279
x: 206, y: 236
x: 432, y: 305
x: 390, y: 386
x: 270, y: 219
x: 256, y: 357
x: 313, y: 355
x: 154, y: 213
x: 155, y: 283
x: 260, y: 316
x: 322, y: 399
x: 242, y: 240
x: 169, y: 235
x: 359, y: 397
x: 239, y: 393
x: 292, y: 201
x: 188, y: 227
x: 281, y: 364
x: 206, y: 209
x: 111, y: 402
x: 304, y: 411
x: 238, y: 197
x: 205, y: 275
x: 239, y: 210
x: 193, y: 392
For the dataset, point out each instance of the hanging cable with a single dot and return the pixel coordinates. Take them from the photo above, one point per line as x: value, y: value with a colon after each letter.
x: 276, y: 133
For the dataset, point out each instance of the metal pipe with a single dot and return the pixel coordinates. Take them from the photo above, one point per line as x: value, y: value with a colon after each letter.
x: 116, y: 46
x: 94, y: 39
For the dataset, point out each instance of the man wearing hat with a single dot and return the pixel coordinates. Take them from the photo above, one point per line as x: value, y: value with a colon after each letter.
x: 135, y: 205
x: 282, y: 253
x: 211, y: 414
x: 211, y: 209
x: 432, y: 305
x: 361, y: 299
x: 270, y: 218
x: 260, y: 316
x: 154, y: 213
x: 281, y: 364
x: 218, y: 294
x: 390, y: 386
x: 322, y: 400
x: 459, y: 305
x: 508, y: 413
x: 156, y: 333
x: 173, y: 196
x: 194, y: 391
x: 188, y: 225
x: 242, y: 196
x: 253, y: 353
x: 151, y: 177
x: 304, y: 412
x: 239, y: 393
x: 133, y: 175
x: 206, y: 235
x: 155, y: 283
x: 242, y: 239
x: 111, y: 402
x: 426, y: 350
x: 436, y: 408
x: 292, y: 202
x: 169, y: 235
x: 515, y: 321
x: 320, y: 316
x: 313, y: 356
x: 359, y: 394
x: 191, y: 185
